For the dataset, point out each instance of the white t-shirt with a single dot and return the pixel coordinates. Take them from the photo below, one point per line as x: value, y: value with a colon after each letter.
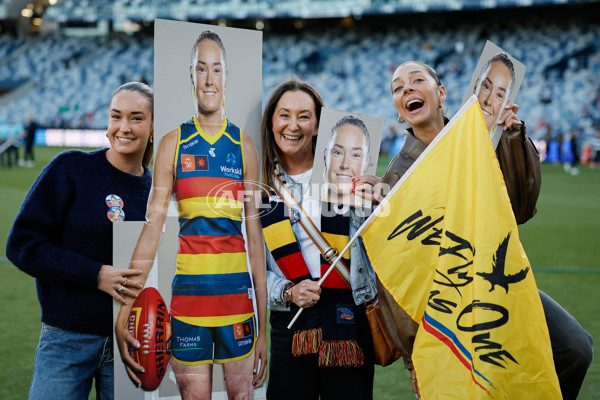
x: 313, y: 209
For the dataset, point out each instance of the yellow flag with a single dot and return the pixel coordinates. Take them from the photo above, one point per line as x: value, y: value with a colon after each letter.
x: 445, y: 244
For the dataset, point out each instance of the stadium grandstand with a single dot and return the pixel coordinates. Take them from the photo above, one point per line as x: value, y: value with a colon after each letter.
x: 61, y: 59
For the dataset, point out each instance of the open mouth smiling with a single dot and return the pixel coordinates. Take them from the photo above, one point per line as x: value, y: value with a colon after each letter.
x: 414, y: 105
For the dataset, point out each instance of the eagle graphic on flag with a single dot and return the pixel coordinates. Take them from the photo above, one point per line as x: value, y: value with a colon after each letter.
x: 445, y: 244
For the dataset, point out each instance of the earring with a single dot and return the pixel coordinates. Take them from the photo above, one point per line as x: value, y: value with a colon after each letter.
x: 151, y: 139
x: 441, y: 104
x: 400, y: 119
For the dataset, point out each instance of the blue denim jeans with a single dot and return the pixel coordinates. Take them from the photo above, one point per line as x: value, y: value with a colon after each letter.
x: 66, y: 364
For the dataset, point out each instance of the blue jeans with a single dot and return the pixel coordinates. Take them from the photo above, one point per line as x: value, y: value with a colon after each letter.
x: 67, y: 362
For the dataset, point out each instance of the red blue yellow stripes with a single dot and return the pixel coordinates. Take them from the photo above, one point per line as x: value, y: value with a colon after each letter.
x: 448, y: 337
x: 212, y: 286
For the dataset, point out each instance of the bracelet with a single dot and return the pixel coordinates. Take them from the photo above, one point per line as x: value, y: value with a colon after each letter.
x: 287, y: 292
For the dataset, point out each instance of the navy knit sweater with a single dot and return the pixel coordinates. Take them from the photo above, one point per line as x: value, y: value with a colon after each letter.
x: 62, y: 236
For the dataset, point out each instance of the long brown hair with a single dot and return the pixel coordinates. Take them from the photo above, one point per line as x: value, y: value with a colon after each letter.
x: 148, y: 93
x: 268, y: 143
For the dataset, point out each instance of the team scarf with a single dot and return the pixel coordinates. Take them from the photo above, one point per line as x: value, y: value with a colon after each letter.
x: 329, y: 328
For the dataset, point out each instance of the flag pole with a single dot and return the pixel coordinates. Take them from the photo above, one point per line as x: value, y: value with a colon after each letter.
x: 333, y: 264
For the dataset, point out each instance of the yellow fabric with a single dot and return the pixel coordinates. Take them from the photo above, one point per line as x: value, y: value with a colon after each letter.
x: 434, y: 272
x: 279, y: 234
x: 212, y: 139
x: 215, y: 321
x: 338, y: 241
x: 210, y: 207
x: 211, y: 264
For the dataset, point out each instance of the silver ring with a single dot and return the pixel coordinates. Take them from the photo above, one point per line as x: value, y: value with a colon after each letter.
x: 121, y: 290
x: 310, y: 302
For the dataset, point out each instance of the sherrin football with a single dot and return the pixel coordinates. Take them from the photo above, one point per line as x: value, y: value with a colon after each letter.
x: 150, y: 325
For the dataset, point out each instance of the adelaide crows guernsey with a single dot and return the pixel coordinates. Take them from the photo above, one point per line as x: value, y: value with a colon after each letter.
x: 212, y: 284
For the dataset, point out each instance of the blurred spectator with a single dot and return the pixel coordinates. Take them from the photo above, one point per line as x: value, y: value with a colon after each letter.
x: 575, y: 146
x: 9, y: 134
x: 595, y: 144
x: 574, y: 158
x: 553, y: 155
x: 546, y: 94
x: 30, y: 130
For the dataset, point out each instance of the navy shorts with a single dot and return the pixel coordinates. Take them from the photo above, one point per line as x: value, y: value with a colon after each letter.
x: 194, y: 345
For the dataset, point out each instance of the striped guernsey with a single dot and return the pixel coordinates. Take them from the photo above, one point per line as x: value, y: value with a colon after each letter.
x: 212, y: 284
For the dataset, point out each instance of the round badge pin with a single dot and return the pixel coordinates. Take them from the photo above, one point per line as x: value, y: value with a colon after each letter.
x: 294, y: 215
x: 115, y: 214
x: 112, y: 200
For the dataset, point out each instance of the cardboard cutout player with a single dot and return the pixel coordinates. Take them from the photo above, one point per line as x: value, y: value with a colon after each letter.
x: 208, y: 163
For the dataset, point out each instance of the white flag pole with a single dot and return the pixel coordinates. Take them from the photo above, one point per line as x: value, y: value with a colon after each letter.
x: 333, y: 264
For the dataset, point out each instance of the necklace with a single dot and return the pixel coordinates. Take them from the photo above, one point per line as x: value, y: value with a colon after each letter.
x: 300, y: 181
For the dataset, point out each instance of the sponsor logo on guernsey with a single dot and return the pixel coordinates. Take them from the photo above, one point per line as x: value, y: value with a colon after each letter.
x: 242, y: 329
x: 231, y: 159
x: 212, y: 152
x: 190, y: 162
x: 232, y: 171
x: 188, y: 145
x: 344, y: 314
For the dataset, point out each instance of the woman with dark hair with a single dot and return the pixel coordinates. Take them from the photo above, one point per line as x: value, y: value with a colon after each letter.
x: 329, y: 352
x: 418, y: 96
x: 62, y: 236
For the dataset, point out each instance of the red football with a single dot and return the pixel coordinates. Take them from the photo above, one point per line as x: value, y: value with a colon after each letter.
x: 150, y: 324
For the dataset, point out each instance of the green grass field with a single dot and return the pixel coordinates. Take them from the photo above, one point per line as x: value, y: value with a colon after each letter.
x: 561, y: 241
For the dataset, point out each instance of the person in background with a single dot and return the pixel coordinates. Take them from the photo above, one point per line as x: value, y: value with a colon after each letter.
x: 62, y: 236
x: 9, y: 134
x: 29, y: 132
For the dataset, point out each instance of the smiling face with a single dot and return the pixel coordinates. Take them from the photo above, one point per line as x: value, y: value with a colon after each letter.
x: 294, y: 125
x: 493, y: 92
x: 417, y: 96
x: 346, y: 157
x: 129, y: 123
x: 209, y: 77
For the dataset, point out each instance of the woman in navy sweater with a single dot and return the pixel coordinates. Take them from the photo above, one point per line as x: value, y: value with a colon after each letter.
x: 62, y: 236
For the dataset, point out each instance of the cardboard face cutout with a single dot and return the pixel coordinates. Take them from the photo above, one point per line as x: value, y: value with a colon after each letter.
x: 347, y: 147
x: 496, y: 83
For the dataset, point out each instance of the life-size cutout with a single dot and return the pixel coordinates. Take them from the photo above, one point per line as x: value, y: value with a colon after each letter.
x: 209, y: 164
